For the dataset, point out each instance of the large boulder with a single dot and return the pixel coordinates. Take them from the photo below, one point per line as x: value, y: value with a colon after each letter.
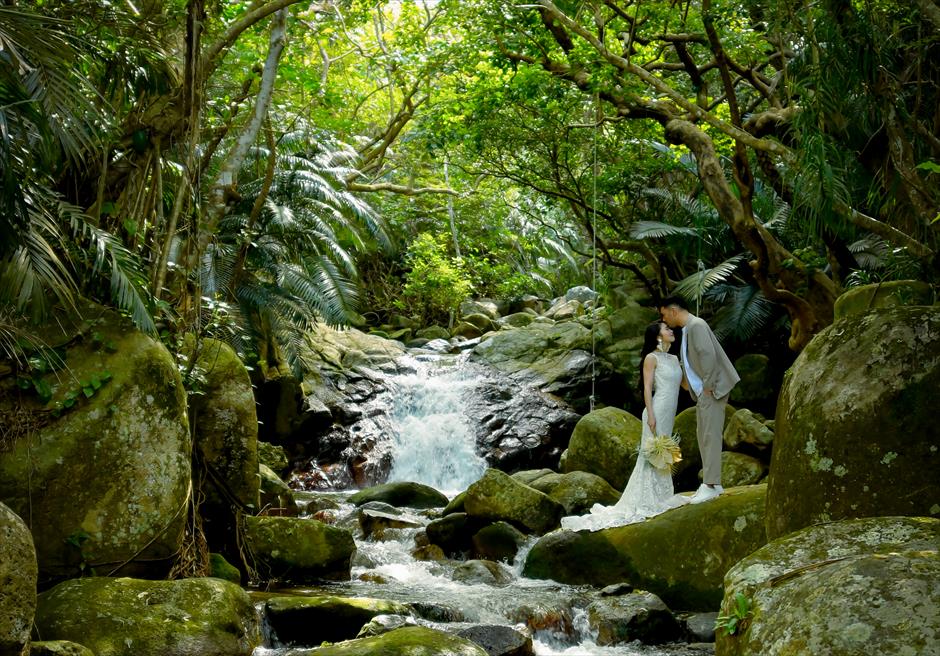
x: 859, y: 300
x: 681, y: 555
x: 117, y: 617
x: 312, y: 620
x: 401, y: 493
x: 298, y: 550
x: 855, y: 432
x: 497, y: 496
x: 638, y: 615
x: 861, y: 586
x: 605, y: 442
x: 103, y: 473
x: 17, y: 584
x: 412, y: 640
x: 226, y: 424
x: 577, y: 491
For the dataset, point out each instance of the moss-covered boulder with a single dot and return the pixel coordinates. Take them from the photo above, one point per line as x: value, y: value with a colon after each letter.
x: 740, y: 469
x: 401, y: 493
x: 577, y: 491
x: 498, y: 542
x: 454, y: 532
x: 861, y: 586
x: 298, y: 550
x: 746, y: 427
x: 275, y: 457
x: 107, y: 481
x: 410, y: 640
x: 604, y: 442
x: 432, y: 332
x: 18, y: 575
x: 497, y: 496
x: 757, y: 380
x: 275, y: 493
x: 681, y: 555
x: 310, y: 621
x: 222, y: 569
x: 859, y: 300
x: 59, y: 648
x: 225, y: 420
x: 855, y: 431
x: 133, y: 617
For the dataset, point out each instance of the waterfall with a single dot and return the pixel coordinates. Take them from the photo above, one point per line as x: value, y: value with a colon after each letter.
x: 432, y: 442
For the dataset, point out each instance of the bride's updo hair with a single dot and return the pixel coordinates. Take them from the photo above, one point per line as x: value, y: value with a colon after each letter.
x: 650, y: 344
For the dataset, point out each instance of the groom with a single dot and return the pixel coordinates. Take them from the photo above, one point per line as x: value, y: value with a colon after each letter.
x: 711, y: 376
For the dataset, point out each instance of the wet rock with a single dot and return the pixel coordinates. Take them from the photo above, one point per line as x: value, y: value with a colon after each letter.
x: 498, y: 542
x: 604, y: 442
x: 496, y: 496
x: 527, y: 476
x: 298, y: 550
x: 550, y: 618
x: 860, y: 586
x: 375, y: 524
x: 384, y: 623
x: 309, y: 621
x: 406, y: 640
x: 411, y: 495
x: 114, y: 468
x: 499, y: 640
x: 428, y: 552
x: 636, y: 616
x: 482, y: 571
x: 18, y: 576
x: 453, y: 533
x: 856, y: 434
x: 434, y: 612
x: 455, y: 505
x: 681, y: 555
x: 700, y: 627
x: 109, y: 616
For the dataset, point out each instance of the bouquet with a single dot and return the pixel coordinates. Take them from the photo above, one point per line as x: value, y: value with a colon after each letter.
x: 662, y: 452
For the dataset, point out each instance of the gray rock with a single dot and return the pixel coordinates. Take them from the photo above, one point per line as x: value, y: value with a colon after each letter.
x: 499, y: 640
x: 746, y: 427
x: 581, y: 294
x: 482, y: 571
x: 18, y: 575
x: 636, y: 616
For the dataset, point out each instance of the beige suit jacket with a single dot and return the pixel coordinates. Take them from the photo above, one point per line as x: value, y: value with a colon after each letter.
x: 707, y: 359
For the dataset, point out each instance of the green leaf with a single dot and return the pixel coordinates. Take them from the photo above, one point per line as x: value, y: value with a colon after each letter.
x: 929, y: 166
x: 88, y: 391
x: 42, y: 389
x: 95, y: 382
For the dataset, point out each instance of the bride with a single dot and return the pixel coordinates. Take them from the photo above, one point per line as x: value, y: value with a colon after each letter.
x: 649, y: 491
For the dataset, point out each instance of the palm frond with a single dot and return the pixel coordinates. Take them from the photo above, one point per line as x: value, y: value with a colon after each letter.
x: 694, y: 286
x: 658, y: 229
x: 744, y: 313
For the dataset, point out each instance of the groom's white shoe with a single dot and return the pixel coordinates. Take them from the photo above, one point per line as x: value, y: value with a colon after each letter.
x: 706, y: 493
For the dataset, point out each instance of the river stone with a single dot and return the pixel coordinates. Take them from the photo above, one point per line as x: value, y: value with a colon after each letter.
x: 226, y: 422
x: 681, y: 555
x: 865, y: 298
x: 275, y: 457
x: 756, y: 382
x: 498, y: 541
x: 18, y: 575
x: 482, y: 571
x: 455, y: 505
x: 577, y: 491
x: 497, y: 496
x: 411, y: 640
x: 740, y: 469
x: 517, y: 319
x: 411, y: 495
x: 453, y: 533
x: 375, y: 523
x: 859, y: 586
x: 309, y: 621
x: 746, y: 427
x: 636, y: 616
x: 298, y: 550
x: 384, y: 623
x: 467, y: 330
x: 482, y: 322
x: 59, y: 648
x: 222, y: 569
x: 108, y: 481
x: 604, y: 442
x: 118, y: 617
x: 856, y: 434
x: 499, y: 639
x: 432, y: 332
x: 701, y: 626
x: 483, y: 306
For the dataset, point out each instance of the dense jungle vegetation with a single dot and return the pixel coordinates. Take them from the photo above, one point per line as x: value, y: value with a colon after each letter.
x: 243, y: 169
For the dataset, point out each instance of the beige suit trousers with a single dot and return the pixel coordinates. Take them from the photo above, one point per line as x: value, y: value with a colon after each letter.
x: 710, y: 423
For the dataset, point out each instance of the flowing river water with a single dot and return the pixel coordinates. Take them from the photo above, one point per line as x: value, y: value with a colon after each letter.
x: 432, y: 444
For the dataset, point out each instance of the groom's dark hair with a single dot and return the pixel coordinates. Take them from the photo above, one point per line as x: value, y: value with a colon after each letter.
x: 678, y: 301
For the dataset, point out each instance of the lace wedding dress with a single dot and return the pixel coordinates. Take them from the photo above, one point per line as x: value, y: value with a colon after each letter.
x: 649, y: 491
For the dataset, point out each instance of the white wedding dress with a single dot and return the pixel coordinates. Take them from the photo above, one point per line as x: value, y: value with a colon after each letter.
x: 649, y: 491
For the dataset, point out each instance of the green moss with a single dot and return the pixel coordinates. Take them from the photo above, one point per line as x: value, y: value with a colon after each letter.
x: 411, y: 495
x: 299, y: 550
x: 497, y: 496
x: 222, y: 569
x: 407, y: 641
x: 604, y: 442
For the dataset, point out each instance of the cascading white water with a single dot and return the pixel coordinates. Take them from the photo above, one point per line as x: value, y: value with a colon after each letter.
x: 432, y: 442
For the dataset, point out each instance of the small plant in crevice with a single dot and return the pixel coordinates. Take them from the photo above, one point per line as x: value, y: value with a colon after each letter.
x: 735, y: 621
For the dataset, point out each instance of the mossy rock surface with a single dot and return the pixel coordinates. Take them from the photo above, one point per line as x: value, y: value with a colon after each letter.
x: 18, y: 576
x: 401, y: 494
x: 275, y: 457
x: 497, y: 496
x: 577, y: 491
x: 855, y: 431
x: 226, y: 420
x: 299, y: 550
x: 222, y: 569
x: 59, y: 648
x: 681, y: 555
x: 860, y: 586
x: 739, y: 469
x: 406, y: 641
x: 309, y: 621
x: 107, y: 481
x: 859, y: 300
x: 604, y: 442
x: 275, y: 492
x: 133, y: 617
